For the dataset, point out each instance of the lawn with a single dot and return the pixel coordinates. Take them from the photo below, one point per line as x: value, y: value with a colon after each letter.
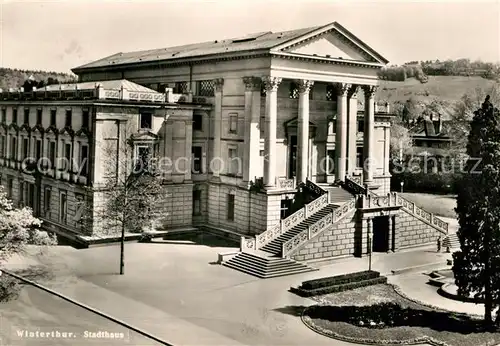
x: 441, y: 205
x: 328, y: 318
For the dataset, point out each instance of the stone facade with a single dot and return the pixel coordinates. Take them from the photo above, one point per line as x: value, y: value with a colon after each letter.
x: 412, y: 231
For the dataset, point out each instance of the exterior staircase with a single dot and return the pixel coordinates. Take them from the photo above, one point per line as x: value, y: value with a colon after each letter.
x: 275, y: 246
x: 264, y: 266
x: 451, y: 241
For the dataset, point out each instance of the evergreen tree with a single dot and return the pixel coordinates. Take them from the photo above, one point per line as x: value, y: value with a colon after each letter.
x: 477, y: 264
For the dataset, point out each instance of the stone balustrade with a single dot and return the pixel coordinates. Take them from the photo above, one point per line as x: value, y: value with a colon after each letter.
x: 285, y: 184
x: 374, y: 201
x: 248, y: 244
x: 426, y: 216
x: 311, y: 231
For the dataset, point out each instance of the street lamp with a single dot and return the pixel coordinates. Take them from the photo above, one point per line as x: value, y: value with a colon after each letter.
x: 402, y: 183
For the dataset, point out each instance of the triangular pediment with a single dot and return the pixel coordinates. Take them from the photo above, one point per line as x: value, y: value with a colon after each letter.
x: 331, y: 41
x: 145, y: 136
x: 294, y: 123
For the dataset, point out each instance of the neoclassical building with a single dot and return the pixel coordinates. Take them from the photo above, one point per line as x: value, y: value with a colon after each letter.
x: 282, y: 133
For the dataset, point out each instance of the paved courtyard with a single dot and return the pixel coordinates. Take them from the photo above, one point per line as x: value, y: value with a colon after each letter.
x: 175, y: 291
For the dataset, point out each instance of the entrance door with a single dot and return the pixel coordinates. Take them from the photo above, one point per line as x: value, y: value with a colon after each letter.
x: 292, y: 158
x: 381, y: 234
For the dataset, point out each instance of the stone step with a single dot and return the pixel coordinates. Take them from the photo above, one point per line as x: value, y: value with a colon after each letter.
x: 266, y: 267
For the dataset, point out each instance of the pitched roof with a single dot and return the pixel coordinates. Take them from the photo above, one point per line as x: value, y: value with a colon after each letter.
x: 109, y: 85
x: 252, y: 42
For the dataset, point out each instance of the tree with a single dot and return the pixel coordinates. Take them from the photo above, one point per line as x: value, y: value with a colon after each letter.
x: 477, y: 264
x: 18, y: 228
x: 129, y: 192
x: 401, y: 143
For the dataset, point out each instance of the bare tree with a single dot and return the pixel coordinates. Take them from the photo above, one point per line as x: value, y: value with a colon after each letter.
x: 125, y: 199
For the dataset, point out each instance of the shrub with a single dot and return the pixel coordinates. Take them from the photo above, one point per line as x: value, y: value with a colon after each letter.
x: 303, y: 292
x: 9, y: 288
x: 443, y: 183
x: 340, y: 279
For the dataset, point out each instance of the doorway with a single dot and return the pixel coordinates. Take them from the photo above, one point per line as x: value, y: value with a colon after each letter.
x: 292, y: 158
x: 380, y: 234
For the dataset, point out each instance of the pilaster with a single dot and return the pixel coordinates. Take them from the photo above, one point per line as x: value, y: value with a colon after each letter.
x: 390, y: 248
x: 271, y: 84
x: 395, y: 236
x: 352, y: 96
x: 251, y: 155
x: 303, y: 130
x: 188, y: 146
x: 216, y: 165
x: 368, y: 135
x: 341, y: 135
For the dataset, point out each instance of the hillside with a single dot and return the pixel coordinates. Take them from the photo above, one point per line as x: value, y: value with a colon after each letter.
x: 14, y: 78
x: 447, y: 88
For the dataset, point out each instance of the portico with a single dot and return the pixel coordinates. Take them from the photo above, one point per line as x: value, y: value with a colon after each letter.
x: 344, y: 113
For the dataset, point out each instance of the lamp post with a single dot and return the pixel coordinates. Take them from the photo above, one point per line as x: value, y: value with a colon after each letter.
x: 402, y: 183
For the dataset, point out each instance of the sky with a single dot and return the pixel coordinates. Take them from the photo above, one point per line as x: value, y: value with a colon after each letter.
x: 60, y: 35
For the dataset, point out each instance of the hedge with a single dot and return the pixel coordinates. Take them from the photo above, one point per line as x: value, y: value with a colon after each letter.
x: 339, y: 279
x: 338, y: 288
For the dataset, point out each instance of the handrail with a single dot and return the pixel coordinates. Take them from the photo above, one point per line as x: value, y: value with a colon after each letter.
x: 314, y: 229
x: 430, y: 218
x: 292, y: 220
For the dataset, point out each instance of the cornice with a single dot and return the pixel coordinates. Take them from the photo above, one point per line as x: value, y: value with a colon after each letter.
x: 324, y: 60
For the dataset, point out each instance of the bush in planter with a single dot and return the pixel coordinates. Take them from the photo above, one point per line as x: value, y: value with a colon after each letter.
x: 9, y: 288
x: 340, y: 279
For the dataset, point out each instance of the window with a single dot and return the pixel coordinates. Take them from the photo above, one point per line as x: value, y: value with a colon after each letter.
x: 67, y: 122
x: 26, y: 146
x: 330, y: 93
x: 21, y: 193
x: 230, y: 207
x: 39, y: 116
x: 261, y: 153
x: 361, y: 125
x: 359, y: 157
x: 142, y: 158
x: 197, y: 157
x: 38, y: 149
x: 26, y: 116
x: 52, y: 154
x: 10, y: 184
x: 180, y: 88
x: 13, y: 148
x: 53, y: 113
x: 145, y: 121
x: 47, y: 201
x: 63, y: 207
x: 197, y: 202
x: 197, y: 122
x: 85, y: 119
x: 14, y: 115
x: 4, y: 115
x: 233, y: 123
x: 2, y: 143
x: 205, y: 88
x: 67, y: 156
x: 30, y: 196
x: 84, y: 154
x: 233, y: 168
x: 294, y: 91
x: 331, y: 161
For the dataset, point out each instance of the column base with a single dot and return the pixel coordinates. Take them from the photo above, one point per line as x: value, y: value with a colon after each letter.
x: 215, y: 179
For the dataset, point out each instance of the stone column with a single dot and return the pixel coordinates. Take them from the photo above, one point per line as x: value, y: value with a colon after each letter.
x: 216, y: 158
x: 303, y: 130
x: 271, y: 84
x: 341, y: 135
x: 395, y: 240
x: 251, y: 155
x: 368, y: 135
x: 188, y: 149
x: 352, y: 96
x: 390, y: 237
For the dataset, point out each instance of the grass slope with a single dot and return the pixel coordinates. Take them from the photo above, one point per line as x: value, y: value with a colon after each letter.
x: 447, y: 88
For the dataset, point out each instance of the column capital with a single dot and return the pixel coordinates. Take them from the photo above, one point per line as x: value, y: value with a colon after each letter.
x: 271, y: 83
x: 370, y: 90
x: 304, y: 85
x: 252, y: 83
x: 353, y: 91
x: 218, y: 84
x: 343, y: 88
